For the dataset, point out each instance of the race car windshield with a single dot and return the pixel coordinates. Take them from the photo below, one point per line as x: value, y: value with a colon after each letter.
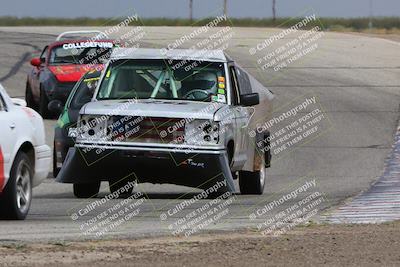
x: 164, y: 79
x: 81, y: 53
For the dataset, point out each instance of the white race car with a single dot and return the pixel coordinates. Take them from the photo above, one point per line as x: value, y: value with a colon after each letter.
x: 24, y: 157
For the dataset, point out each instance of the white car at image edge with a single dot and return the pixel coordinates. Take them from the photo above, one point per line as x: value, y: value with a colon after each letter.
x: 24, y: 156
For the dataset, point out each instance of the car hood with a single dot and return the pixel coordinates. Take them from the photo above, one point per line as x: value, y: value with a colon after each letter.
x: 72, y: 73
x: 153, y: 108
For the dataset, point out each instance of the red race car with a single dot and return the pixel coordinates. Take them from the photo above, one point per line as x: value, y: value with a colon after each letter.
x: 61, y: 64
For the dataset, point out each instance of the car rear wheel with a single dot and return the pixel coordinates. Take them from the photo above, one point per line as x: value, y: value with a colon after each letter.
x: 253, y: 183
x: 86, y: 190
x: 16, y: 198
x: 43, y: 105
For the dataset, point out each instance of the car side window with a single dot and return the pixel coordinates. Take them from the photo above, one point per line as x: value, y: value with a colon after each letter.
x: 244, y: 81
x: 84, y: 93
x: 43, y: 55
x: 235, y: 90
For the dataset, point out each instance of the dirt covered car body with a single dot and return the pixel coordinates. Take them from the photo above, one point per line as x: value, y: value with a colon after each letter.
x: 184, y: 117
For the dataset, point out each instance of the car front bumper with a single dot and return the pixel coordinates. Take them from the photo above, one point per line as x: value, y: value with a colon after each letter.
x: 42, y: 163
x: 195, y: 168
x: 60, y: 91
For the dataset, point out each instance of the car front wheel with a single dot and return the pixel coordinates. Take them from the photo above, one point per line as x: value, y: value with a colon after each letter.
x: 30, y: 102
x: 56, y: 170
x: 253, y: 183
x: 16, y: 197
x: 43, y: 105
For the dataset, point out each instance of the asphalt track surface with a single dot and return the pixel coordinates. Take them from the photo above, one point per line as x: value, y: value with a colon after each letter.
x: 355, y: 78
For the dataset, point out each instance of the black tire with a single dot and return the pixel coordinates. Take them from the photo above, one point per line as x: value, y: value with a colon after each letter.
x: 116, y: 185
x: 55, y: 169
x: 87, y: 190
x: 43, y: 103
x: 253, y: 183
x: 230, y: 158
x: 16, y: 198
x: 30, y: 101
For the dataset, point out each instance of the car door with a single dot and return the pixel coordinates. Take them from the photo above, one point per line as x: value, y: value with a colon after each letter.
x: 242, y: 116
x: 8, y: 135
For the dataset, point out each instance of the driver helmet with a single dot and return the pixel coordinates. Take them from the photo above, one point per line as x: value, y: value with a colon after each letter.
x: 210, y: 78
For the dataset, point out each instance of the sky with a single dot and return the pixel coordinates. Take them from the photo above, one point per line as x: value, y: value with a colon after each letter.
x: 202, y: 8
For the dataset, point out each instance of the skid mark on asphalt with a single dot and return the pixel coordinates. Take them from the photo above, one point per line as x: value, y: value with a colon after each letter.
x: 35, y: 47
x: 381, y: 203
x: 24, y: 57
x: 17, y: 66
x: 14, y: 70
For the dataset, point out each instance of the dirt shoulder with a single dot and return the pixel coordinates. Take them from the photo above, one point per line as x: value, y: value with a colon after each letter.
x: 332, y: 245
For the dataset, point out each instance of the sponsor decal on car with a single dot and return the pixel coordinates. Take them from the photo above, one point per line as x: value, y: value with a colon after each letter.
x: 191, y: 162
x: 221, y: 98
x: 88, y: 45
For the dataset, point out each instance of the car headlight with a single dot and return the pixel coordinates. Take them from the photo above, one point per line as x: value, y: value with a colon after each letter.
x: 92, y: 127
x: 72, y: 132
x: 200, y: 132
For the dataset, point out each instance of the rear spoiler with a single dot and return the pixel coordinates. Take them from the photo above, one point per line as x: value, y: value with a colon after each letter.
x: 99, y: 34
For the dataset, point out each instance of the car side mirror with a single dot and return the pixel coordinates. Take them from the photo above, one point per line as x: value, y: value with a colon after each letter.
x: 55, y: 106
x: 36, y: 62
x: 18, y: 102
x: 248, y: 100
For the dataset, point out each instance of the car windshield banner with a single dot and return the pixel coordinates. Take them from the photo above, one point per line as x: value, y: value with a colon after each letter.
x: 80, y: 45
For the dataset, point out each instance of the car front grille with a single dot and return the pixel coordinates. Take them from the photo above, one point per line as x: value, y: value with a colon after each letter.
x: 148, y: 129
